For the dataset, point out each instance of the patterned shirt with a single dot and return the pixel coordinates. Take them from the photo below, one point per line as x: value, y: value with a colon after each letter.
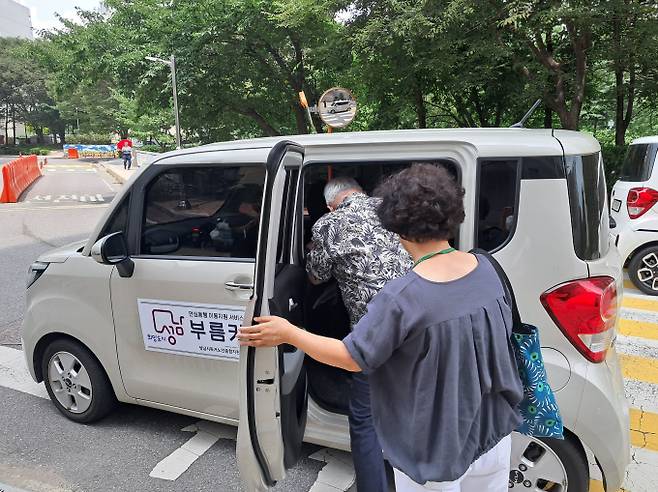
x: 351, y: 245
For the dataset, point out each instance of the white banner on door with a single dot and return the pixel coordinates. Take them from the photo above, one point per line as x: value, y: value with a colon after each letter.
x: 195, y: 330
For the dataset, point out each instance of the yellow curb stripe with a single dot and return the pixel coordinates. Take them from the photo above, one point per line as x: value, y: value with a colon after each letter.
x: 639, y: 303
x: 644, y: 429
x: 597, y: 486
x: 639, y: 368
x: 629, y: 285
x: 642, y: 329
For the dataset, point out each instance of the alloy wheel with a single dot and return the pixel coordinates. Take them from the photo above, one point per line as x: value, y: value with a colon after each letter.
x: 535, y: 466
x: 70, y: 382
x: 648, y: 272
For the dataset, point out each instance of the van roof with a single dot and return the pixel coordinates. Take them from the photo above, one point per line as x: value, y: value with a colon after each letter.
x: 487, y: 141
x: 645, y: 140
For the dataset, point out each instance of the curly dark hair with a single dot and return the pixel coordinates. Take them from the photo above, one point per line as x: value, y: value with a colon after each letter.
x: 421, y: 203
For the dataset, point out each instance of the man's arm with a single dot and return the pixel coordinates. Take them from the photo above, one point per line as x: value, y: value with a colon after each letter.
x: 318, y: 262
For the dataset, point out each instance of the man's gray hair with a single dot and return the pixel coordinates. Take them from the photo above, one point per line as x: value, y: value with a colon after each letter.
x: 338, y: 185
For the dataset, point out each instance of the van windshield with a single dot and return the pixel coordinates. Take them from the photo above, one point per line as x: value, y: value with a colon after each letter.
x: 638, y: 162
x: 589, y: 211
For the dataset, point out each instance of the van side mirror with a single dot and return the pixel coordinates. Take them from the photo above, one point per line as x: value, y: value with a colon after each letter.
x: 112, y: 250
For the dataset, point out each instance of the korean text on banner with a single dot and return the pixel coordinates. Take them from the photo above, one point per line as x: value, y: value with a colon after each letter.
x: 195, y: 330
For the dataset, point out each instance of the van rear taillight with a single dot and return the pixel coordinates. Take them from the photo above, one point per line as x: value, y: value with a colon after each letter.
x: 586, y: 312
x: 640, y: 200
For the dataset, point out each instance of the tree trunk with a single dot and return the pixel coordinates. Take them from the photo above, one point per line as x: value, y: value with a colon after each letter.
x: 7, y: 124
x: 580, y: 40
x: 260, y: 120
x: 300, y: 118
x: 62, y: 136
x: 624, y: 104
x: 548, y: 117
x: 39, y: 131
x: 13, y: 122
x: 421, y: 110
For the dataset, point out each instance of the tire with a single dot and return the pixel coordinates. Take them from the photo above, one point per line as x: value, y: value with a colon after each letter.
x: 548, y: 464
x: 76, y: 382
x: 643, y: 270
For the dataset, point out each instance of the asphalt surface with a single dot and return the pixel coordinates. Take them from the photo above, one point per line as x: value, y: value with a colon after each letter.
x: 116, y: 454
x: 40, y: 450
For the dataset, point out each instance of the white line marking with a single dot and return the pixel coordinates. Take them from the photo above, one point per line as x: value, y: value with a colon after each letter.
x: 14, y: 374
x: 641, y: 347
x: 641, y: 395
x: 92, y: 198
x: 639, y: 315
x: 641, y: 473
x: 639, y: 295
x: 207, y: 434
x: 337, y: 474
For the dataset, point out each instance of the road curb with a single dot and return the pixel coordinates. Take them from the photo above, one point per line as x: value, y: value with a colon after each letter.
x: 112, y: 172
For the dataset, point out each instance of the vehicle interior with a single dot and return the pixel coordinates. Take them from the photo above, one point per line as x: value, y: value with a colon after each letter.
x: 324, y: 312
x: 204, y: 212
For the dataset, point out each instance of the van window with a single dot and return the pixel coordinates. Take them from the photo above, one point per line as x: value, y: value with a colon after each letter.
x: 203, y: 211
x: 589, y: 211
x: 497, y: 197
x: 368, y: 174
x: 638, y: 162
x: 119, y: 220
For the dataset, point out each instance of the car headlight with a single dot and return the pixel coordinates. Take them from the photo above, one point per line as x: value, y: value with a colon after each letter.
x: 35, y: 271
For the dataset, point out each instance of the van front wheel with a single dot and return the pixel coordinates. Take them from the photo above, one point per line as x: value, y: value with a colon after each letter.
x: 643, y: 270
x: 76, y: 382
x: 547, y: 464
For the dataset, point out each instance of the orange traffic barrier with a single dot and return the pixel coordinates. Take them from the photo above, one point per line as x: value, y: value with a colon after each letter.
x: 17, y: 175
x: 73, y: 154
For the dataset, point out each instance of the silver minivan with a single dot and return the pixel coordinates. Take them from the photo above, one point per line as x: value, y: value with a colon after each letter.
x: 201, y: 240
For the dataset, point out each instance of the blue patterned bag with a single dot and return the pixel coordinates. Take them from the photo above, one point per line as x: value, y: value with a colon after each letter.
x: 541, y: 415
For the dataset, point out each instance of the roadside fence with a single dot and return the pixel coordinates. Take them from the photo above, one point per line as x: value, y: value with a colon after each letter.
x: 17, y: 175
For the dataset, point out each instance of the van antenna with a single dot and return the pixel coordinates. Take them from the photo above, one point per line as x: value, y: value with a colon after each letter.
x: 527, y: 115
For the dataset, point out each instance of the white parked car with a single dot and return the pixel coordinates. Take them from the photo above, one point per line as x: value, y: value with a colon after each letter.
x: 340, y: 106
x: 635, y: 216
x: 146, y: 310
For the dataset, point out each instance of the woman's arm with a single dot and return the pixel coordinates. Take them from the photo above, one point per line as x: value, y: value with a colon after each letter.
x: 272, y: 331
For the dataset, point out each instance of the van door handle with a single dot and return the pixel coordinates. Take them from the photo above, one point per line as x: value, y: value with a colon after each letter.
x: 238, y: 286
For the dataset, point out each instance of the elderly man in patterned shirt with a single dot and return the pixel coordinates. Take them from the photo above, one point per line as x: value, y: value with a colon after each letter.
x: 350, y: 245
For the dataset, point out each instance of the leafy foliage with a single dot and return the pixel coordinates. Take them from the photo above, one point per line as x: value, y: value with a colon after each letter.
x: 428, y: 63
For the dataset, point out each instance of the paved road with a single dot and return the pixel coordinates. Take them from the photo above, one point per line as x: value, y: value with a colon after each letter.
x: 65, y: 182
x: 40, y: 450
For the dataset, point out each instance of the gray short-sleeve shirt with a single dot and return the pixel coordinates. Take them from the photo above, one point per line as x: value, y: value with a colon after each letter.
x: 444, y: 382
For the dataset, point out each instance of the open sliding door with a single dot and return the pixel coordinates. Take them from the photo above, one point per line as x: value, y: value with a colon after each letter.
x: 273, y: 380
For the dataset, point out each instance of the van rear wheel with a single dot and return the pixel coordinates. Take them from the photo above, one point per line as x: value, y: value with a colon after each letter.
x: 547, y: 464
x: 643, y: 270
x: 76, y: 382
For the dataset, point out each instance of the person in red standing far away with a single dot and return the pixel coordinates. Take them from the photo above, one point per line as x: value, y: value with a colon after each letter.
x: 125, y: 147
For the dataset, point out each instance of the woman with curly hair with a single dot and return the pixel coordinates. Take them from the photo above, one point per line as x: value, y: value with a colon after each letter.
x: 435, y: 345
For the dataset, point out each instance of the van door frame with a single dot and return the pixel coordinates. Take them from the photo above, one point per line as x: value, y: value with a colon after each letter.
x: 272, y: 381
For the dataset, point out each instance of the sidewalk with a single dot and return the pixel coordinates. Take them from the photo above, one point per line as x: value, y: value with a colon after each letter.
x: 114, y: 168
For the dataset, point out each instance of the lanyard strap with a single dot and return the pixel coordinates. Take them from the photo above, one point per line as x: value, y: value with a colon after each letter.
x: 432, y: 255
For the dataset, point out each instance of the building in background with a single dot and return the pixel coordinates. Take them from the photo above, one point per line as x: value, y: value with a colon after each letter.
x: 15, y: 20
